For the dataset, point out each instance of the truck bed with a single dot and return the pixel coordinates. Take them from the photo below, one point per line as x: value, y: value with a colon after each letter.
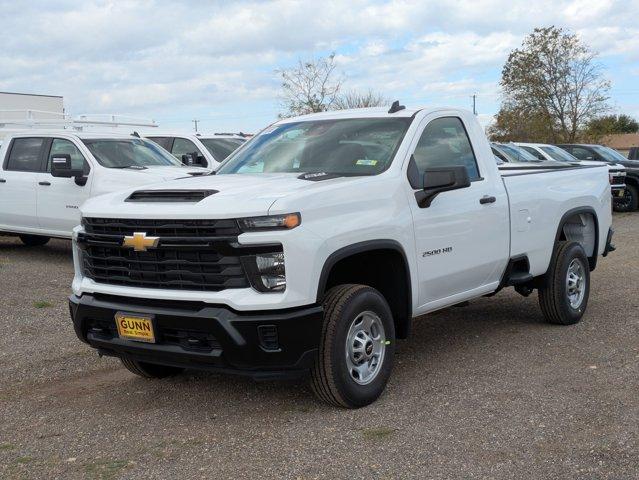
x: 540, y: 196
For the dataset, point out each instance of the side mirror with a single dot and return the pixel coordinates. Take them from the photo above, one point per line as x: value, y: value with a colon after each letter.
x: 187, y: 159
x: 200, y: 160
x: 61, y: 166
x: 441, y: 179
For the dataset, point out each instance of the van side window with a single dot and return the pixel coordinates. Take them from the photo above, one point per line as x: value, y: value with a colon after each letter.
x: 445, y: 143
x: 25, y: 154
x: 61, y: 146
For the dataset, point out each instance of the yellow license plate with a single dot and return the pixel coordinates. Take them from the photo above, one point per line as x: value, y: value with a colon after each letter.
x: 621, y: 193
x: 135, y: 327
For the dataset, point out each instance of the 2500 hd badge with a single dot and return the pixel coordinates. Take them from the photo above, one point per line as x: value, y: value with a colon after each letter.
x: 437, y: 251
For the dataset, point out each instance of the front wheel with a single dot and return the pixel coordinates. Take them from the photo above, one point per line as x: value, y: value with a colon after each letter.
x: 34, y: 240
x: 149, y: 370
x: 564, y: 297
x: 630, y: 200
x: 356, y: 349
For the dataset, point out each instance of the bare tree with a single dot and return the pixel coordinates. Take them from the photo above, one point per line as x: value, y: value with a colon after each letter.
x: 553, y: 76
x: 354, y: 99
x: 310, y: 86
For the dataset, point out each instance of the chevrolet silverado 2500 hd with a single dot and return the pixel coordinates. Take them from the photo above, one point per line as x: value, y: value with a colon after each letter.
x: 317, y: 243
x: 45, y: 176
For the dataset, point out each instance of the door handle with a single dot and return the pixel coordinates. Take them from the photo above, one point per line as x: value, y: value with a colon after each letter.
x: 487, y: 199
x: 46, y: 184
x: 2, y: 180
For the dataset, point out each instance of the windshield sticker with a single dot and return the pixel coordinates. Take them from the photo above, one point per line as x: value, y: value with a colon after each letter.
x: 366, y: 161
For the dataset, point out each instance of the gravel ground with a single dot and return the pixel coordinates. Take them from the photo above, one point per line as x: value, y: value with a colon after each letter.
x: 483, y: 391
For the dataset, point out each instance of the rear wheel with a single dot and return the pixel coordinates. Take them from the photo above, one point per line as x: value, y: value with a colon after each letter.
x: 34, y: 240
x: 629, y: 202
x: 150, y: 370
x: 564, y: 297
x: 356, y: 350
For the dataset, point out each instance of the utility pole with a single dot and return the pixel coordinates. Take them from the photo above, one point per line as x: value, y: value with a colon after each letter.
x: 195, y: 122
x: 474, y: 104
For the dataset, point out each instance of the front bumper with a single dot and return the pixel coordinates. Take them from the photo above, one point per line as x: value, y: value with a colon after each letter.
x: 269, y: 344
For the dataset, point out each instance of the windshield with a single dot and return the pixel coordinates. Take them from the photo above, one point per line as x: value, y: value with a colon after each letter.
x: 559, y: 154
x: 518, y: 154
x: 609, y: 154
x: 361, y: 146
x: 129, y: 152
x: 221, y: 148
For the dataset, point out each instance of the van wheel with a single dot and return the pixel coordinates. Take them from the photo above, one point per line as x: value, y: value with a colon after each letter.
x: 150, y: 370
x: 564, y: 298
x: 630, y: 200
x: 34, y: 240
x: 357, y: 344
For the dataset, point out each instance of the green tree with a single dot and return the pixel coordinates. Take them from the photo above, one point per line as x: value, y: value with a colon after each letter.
x: 608, y: 125
x: 553, y: 86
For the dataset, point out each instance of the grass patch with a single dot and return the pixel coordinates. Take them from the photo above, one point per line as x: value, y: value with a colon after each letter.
x: 6, y: 446
x: 23, y: 460
x: 105, y: 469
x: 42, y: 304
x: 377, y: 433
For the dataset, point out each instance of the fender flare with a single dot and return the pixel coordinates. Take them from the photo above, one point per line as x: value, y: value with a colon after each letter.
x: 575, y: 211
x: 367, y: 246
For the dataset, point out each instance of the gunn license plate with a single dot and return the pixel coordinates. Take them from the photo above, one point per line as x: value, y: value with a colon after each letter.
x: 135, y: 327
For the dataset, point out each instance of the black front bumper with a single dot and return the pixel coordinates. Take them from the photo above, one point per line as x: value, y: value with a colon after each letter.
x: 268, y: 344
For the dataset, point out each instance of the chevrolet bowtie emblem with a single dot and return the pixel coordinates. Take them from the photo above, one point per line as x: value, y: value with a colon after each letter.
x: 140, y: 242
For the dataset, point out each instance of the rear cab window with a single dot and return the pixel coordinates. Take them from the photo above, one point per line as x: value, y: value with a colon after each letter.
x: 25, y: 154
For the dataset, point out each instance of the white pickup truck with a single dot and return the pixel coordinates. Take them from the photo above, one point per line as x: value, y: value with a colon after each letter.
x: 46, y: 175
x: 317, y: 243
x: 206, y: 151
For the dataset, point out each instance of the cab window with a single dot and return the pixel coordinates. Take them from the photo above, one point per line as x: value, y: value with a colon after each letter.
x: 582, y: 153
x: 61, y: 146
x: 182, y: 146
x: 25, y: 154
x: 445, y: 143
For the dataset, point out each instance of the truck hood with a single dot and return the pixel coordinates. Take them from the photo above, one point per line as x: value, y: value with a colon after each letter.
x: 234, y: 195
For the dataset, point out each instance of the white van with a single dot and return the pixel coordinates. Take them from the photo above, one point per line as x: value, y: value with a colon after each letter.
x: 37, y: 203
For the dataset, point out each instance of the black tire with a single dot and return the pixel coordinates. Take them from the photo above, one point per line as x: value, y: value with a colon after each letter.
x: 553, y: 297
x: 331, y: 380
x: 629, y: 202
x: 34, y: 240
x: 150, y: 370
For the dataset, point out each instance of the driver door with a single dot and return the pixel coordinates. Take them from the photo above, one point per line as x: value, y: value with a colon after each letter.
x: 59, y: 199
x: 462, y: 239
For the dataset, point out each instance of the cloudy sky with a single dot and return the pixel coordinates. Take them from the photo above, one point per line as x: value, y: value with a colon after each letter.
x: 175, y: 61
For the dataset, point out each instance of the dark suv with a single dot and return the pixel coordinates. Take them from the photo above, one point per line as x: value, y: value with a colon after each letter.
x: 599, y: 153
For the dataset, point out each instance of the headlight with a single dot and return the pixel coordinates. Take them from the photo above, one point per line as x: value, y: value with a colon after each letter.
x: 266, y: 271
x: 270, y: 222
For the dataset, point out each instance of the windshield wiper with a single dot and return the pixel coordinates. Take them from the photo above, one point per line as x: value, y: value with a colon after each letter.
x: 135, y: 167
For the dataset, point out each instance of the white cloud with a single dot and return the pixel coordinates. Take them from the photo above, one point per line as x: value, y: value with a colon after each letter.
x: 179, y: 59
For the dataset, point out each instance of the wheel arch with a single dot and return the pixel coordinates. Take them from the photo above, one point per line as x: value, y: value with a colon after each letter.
x: 564, y: 232
x: 397, y: 291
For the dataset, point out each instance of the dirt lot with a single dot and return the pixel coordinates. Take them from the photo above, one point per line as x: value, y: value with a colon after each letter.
x: 484, y: 391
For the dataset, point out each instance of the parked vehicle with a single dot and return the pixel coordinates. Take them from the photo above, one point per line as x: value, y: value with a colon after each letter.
x: 316, y: 244
x: 616, y: 171
x: 511, y: 153
x: 206, y: 151
x: 630, y: 199
x: 45, y: 176
x: 633, y: 153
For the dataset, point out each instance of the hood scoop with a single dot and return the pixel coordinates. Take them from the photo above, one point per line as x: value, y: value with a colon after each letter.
x: 169, y: 196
